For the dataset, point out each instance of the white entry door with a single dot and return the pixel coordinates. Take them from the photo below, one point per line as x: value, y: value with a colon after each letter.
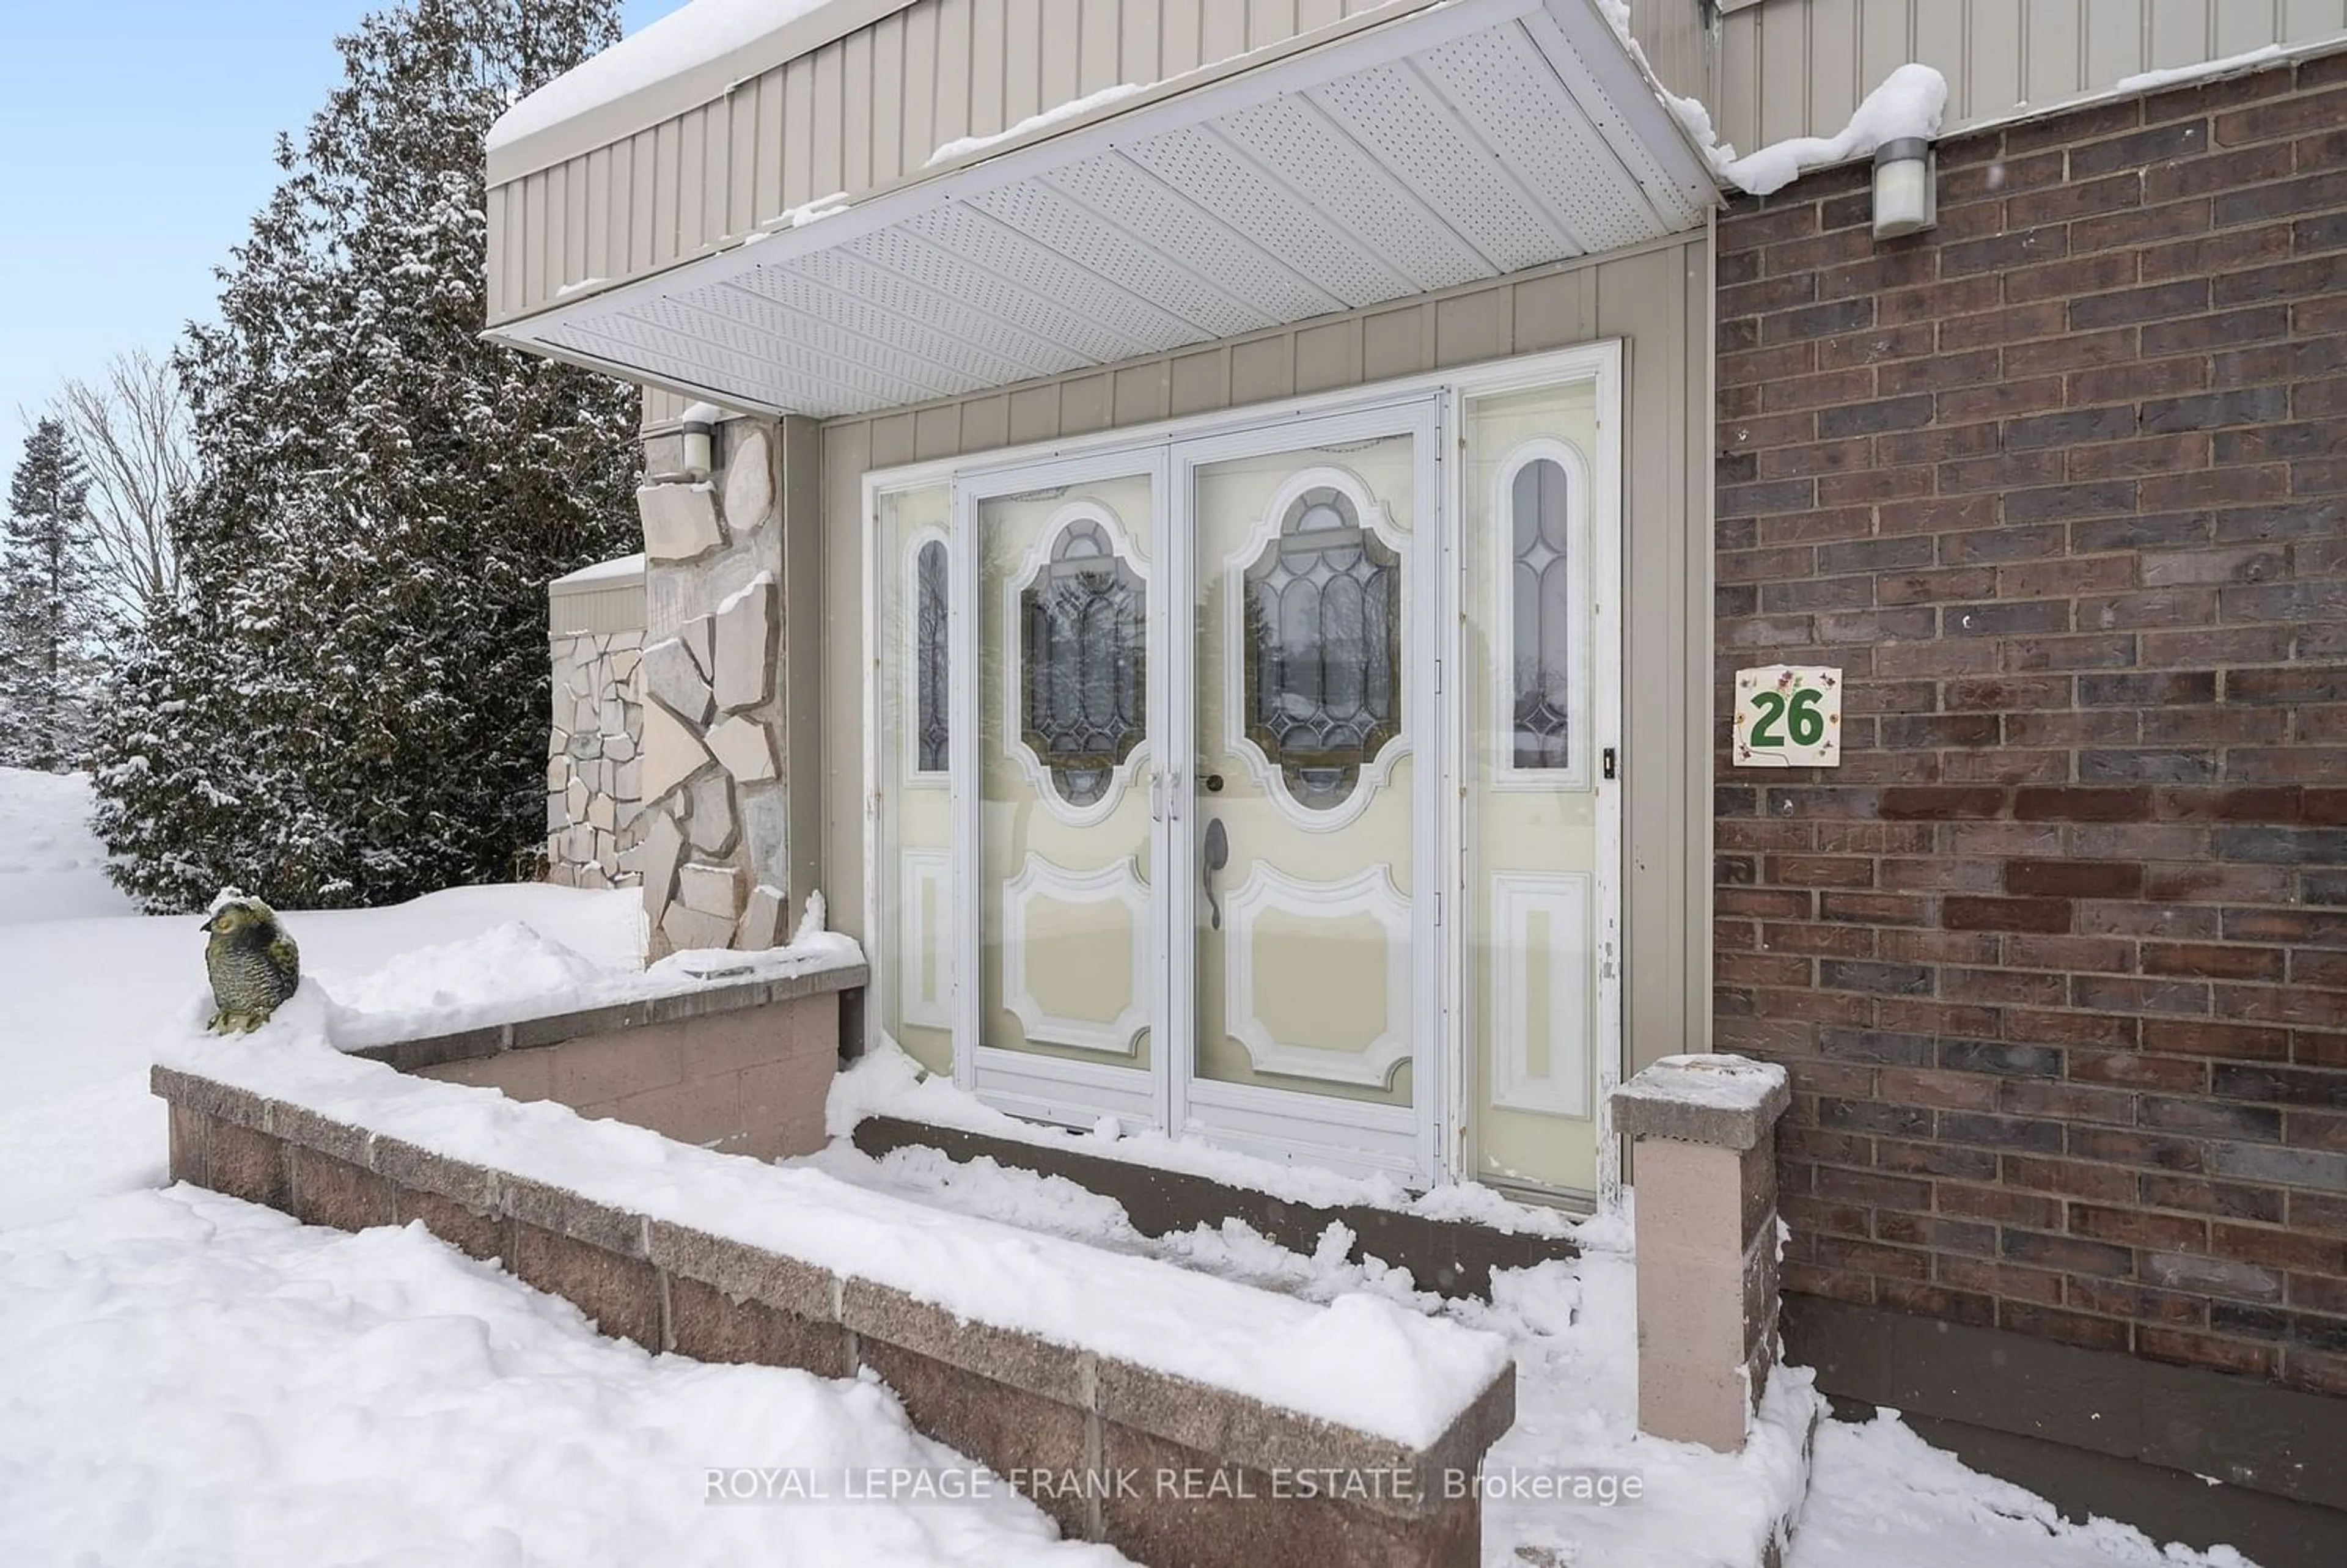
x: 1307, y: 976
x: 1057, y: 630
x: 1230, y: 853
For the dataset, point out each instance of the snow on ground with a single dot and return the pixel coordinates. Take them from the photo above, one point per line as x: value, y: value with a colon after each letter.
x: 89, y: 986
x: 1878, y: 1493
x: 52, y: 867
x: 218, y: 1384
x: 200, y: 1355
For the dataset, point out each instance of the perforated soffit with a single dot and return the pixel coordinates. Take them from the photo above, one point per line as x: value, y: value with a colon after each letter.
x: 1460, y: 144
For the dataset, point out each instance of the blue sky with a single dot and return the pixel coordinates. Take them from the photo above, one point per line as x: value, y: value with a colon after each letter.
x: 135, y: 139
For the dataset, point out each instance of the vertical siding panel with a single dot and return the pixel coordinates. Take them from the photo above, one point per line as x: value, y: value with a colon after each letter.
x: 888, y: 89
x: 1139, y: 56
x: 766, y: 190
x: 596, y: 260
x: 691, y: 180
x: 1269, y: 21
x: 1311, y: 14
x: 1022, y: 64
x: 1739, y: 98
x: 556, y: 234
x: 798, y: 133
x: 2179, y: 32
x: 1883, y: 42
x: 501, y: 241
x: 855, y: 112
x: 716, y: 171
x: 2238, y: 27
x: 1180, y: 26
x: 1782, y: 35
x: 986, y: 25
x: 830, y: 169
x: 2055, y: 49
x: 643, y: 214
x: 1059, y: 20
x: 1993, y: 65
x: 2114, y: 40
x: 1100, y: 46
x: 1834, y: 85
x: 1940, y: 41
x: 1223, y: 29
x: 846, y: 454
x: 667, y: 198
x: 747, y: 113
x: 574, y: 245
x: 2305, y: 20
x: 534, y: 262
x: 922, y: 86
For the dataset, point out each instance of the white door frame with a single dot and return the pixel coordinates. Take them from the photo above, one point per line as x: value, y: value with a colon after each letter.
x: 1050, y: 1088
x: 1350, y: 1135
x: 1440, y: 1138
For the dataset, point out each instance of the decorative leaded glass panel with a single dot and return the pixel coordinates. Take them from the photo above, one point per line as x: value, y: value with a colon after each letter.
x: 1539, y: 517
x: 1082, y: 653
x: 1322, y: 654
x: 930, y: 724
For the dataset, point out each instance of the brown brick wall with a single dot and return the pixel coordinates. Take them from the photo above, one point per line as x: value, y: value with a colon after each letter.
x: 2057, y: 957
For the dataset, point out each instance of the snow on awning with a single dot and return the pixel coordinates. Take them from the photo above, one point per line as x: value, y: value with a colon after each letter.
x: 1454, y: 143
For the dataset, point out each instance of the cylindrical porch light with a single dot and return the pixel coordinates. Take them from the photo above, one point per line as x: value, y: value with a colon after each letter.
x: 1906, y: 187
x: 699, y: 431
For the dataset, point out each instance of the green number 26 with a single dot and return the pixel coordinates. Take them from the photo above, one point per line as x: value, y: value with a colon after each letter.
x: 1802, y: 717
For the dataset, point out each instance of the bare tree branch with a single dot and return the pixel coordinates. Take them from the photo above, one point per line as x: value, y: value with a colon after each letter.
x: 132, y: 430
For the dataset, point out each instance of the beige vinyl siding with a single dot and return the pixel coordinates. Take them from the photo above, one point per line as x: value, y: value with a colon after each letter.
x: 1678, y: 42
x: 600, y: 607
x: 860, y: 111
x: 1799, y: 67
x: 1657, y: 298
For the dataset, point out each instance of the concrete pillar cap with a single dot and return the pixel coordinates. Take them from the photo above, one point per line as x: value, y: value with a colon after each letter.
x: 1729, y: 1101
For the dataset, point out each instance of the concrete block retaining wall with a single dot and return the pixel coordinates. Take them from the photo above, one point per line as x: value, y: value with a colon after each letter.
x: 1215, y: 1474
x: 742, y: 1067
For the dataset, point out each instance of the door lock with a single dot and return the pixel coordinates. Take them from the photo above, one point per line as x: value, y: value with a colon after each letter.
x: 1608, y: 762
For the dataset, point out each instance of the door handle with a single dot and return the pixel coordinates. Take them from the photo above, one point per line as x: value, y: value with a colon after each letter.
x: 1218, y: 855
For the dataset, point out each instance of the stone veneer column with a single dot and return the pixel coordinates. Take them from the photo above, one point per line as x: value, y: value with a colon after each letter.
x: 1706, y: 1186
x: 716, y: 835
x: 593, y: 772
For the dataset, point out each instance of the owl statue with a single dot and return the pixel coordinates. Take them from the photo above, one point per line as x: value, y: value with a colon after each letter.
x: 253, y: 963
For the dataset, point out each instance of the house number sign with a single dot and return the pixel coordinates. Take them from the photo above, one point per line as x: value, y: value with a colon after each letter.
x: 1788, y: 716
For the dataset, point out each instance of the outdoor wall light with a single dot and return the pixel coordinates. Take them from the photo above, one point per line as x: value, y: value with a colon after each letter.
x: 1906, y: 187
x: 699, y: 431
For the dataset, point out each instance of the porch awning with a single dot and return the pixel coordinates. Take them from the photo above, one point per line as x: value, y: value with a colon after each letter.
x: 1388, y: 156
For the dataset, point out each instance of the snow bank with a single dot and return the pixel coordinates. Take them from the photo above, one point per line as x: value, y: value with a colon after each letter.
x: 509, y: 973
x: 963, y: 146
x: 1360, y: 1363
x: 699, y: 34
x: 886, y: 1081
x: 52, y: 866
x: 1909, y: 103
x: 218, y: 1384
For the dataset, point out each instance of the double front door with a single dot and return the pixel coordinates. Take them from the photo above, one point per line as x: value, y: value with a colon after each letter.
x: 1258, y: 785
x: 1199, y: 677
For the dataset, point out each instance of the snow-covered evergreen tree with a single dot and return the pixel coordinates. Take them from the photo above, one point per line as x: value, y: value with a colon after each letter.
x: 349, y: 707
x: 48, y: 664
